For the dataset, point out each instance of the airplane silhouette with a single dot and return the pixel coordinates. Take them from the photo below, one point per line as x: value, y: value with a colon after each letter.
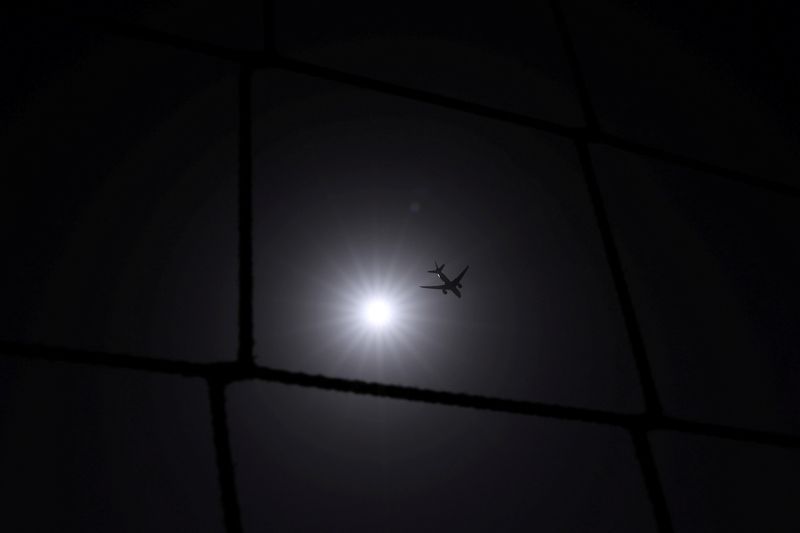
x: 449, y: 285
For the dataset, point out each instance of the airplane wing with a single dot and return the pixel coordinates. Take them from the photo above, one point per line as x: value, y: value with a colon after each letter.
x: 458, y: 278
x: 440, y: 287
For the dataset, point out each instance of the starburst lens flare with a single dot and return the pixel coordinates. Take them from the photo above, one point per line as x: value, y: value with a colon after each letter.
x: 377, y: 313
x: 359, y: 307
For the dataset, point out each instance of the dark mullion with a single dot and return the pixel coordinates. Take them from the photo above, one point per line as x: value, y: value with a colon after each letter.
x: 568, y: 45
x: 652, y: 402
x: 653, y: 410
x: 234, y: 371
x: 645, y: 371
x: 419, y: 95
x: 141, y: 33
x: 652, y: 481
x: 59, y: 354
x: 738, y: 434
x: 652, y: 152
x: 245, y: 352
x: 222, y: 446
x: 268, y: 26
x: 455, y: 399
x: 259, y: 59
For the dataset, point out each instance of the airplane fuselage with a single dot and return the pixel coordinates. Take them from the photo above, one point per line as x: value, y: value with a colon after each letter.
x: 447, y: 284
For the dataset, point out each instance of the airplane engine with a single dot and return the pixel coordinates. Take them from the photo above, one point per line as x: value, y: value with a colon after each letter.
x: 444, y: 291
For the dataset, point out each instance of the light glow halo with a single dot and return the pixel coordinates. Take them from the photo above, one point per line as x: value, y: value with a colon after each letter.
x: 377, y: 312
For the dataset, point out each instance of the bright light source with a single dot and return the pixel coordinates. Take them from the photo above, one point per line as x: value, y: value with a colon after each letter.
x: 377, y: 313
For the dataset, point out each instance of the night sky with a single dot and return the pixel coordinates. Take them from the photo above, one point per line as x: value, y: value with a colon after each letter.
x: 126, y: 135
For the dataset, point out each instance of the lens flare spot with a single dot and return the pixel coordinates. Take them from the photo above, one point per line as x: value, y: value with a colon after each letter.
x: 377, y: 312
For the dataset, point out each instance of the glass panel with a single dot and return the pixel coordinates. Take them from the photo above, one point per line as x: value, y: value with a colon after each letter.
x: 119, y: 204
x: 310, y: 460
x: 237, y: 24
x: 508, y: 57
x: 713, y: 267
x: 356, y: 197
x: 88, y: 449
x: 717, y: 85
x: 716, y: 485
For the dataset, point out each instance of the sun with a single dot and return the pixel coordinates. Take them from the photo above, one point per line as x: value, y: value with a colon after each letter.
x: 377, y: 312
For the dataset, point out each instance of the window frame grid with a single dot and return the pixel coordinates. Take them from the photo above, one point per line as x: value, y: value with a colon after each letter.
x: 218, y: 376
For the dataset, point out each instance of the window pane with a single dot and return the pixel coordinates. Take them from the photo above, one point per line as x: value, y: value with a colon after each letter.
x: 356, y: 197
x: 310, y: 460
x: 508, y: 57
x: 237, y: 24
x: 118, y: 201
x: 88, y: 449
x: 717, y: 85
x: 716, y: 485
x: 713, y: 267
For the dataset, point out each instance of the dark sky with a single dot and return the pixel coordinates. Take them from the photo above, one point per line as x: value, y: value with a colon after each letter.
x: 120, y: 161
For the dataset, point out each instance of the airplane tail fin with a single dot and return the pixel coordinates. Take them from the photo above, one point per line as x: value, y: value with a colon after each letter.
x: 437, y: 269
